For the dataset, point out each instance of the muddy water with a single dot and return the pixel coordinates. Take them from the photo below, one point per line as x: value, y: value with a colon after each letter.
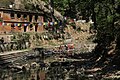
x: 29, y: 75
x: 31, y: 70
x: 35, y: 71
x: 32, y: 74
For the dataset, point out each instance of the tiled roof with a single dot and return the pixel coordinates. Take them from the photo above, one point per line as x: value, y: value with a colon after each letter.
x: 20, y: 11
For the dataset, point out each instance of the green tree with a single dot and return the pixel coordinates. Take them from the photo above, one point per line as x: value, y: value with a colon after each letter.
x: 106, y: 17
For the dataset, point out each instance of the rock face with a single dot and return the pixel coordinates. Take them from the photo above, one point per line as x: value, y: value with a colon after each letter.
x: 6, y: 3
x: 18, y: 4
x: 33, y: 5
x: 36, y: 5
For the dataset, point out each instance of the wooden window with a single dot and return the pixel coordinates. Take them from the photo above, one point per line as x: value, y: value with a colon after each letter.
x: 45, y: 19
x: 18, y: 15
x: 12, y: 15
x: 36, y: 18
x: 31, y: 27
x: 25, y: 16
x: 36, y: 27
x: 30, y: 18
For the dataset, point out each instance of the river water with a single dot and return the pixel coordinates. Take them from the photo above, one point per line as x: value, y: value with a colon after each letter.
x: 36, y: 69
x: 23, y: 70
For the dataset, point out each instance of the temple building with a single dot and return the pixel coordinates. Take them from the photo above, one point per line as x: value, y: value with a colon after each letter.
x: 20, y: 21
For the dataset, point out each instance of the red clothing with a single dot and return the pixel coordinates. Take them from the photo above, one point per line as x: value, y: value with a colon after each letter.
x: 70, y: 46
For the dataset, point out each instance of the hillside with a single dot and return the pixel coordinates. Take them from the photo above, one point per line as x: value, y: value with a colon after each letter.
x: 31, y: 5
x: 82, y: 39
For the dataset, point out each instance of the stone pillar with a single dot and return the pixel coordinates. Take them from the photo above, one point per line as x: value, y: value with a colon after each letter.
x: 33, y: 18
x: 28, y: 18
x: 22, y: 19
x: 15, y: 16
x: 40, y: 20
x: 1, y: 14
x: 33, y: 21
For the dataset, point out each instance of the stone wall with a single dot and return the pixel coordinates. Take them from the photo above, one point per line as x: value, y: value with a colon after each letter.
x: 14, y: 42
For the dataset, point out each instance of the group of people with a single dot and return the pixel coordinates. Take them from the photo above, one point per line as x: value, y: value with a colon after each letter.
x: 68, y: 48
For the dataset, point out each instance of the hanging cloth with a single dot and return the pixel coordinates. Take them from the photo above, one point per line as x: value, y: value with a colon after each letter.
x: 8, y: 24
x: 3, y: 24
x: 51, y: 23
x: 15, y: 24
x: 0, y: 23
x: 12, y: 25
x: 22, y: 24
x: 40, y: 24
x: 65, y: 18
x: 44, y: 24
x: 1, y: 20
x: 19, y: 25
x: 60, y: 22
x: 56, y: 23
x: 25, y: 24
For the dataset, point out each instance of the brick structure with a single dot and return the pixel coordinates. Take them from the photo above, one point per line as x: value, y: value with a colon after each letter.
x: 27, y: 21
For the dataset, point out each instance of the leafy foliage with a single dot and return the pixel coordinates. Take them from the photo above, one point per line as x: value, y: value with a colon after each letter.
x: 106, y: 17
x: 6, y: 3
